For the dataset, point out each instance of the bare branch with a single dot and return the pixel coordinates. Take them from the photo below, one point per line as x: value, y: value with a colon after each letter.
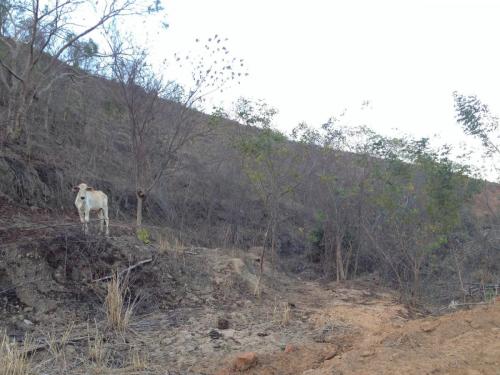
x: 11, y: 71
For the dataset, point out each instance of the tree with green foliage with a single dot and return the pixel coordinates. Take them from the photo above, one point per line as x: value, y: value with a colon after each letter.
x: 84, y: 55
x: 269, y: 163
x: 397, y: 196
x: 476, y: 120
x: 340, y: 193
x: 418, y: 199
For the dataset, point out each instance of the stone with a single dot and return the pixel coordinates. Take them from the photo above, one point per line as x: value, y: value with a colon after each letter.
x: 475, y: 324
x: 330, y: 354
x: 228, y: 333
x: 244, y: 361
x: 429, y: 326
x: 214, y: 335
x: 222, y: 323
x: 289, y: 348
x: 367, y: 353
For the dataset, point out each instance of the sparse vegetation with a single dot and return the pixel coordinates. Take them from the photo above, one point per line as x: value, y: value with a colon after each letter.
x: 143, y: 235
x: 163, y: 244
x: 282, y: 313
x: 270, y: 166
x: 97, y: 352
x: 39, y: 47
x: 118, y: 304
x: 57, y: 348
x: 138, y: 361
x: 328, y: 237
x: 287, y: 314
x: 14, y: 358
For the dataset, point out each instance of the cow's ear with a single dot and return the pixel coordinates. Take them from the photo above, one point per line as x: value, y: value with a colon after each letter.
x: 90, y: 188
x: 76, y: 188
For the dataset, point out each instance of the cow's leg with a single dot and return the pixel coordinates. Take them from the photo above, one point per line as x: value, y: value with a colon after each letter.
x: 82, y: 219
x: 101, y: 220
x: 87, y: 219
x: 106, y: 218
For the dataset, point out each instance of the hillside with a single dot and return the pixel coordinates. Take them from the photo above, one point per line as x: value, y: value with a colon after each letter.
x: 334, y: 252
x: 196, y: 311
x: 332, y: 202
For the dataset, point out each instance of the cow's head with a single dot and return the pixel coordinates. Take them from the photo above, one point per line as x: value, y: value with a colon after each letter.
x: 82, y: 190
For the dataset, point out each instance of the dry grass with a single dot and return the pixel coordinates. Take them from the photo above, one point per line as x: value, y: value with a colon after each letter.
x: 258, y: 289
x: 57, y: 346
x: 169, y: 241
x: 286, y: 315
x: 172, y: 246
x: 138, y: 362
x: 282, y: 313
x: 14, y: 360
x: 97, y: 352
x: 163, y: 244
x: 119, y: 309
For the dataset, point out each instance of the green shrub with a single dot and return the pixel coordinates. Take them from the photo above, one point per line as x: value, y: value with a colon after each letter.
x: 143, y: 235
x: 489, y: 295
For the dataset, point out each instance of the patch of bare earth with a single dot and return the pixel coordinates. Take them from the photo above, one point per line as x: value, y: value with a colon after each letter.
x: 466, y: 342
x: 385, y: 341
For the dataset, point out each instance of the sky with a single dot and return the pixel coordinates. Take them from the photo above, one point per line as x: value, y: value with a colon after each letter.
x: 314, y: 59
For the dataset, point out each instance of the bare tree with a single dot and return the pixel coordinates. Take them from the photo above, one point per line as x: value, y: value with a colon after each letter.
x: 162, y: 116
x: 36, y: 38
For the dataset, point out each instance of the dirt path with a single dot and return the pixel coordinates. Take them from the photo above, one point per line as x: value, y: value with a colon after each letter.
x: 316, y: 322
x: 361, y: 329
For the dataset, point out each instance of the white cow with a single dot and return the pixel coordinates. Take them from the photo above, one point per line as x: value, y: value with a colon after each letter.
x: 88, y: 200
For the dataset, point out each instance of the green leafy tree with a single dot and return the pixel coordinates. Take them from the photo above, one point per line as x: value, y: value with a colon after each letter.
x: 397, y: 196
x: 341, y: 180
x: 418, y: 199
x: 269, y: 163
x: 83, y: 54
x: 476, y: 120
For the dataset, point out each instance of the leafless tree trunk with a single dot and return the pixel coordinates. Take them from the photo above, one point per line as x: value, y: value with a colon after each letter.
x: 338, y: 258
x: 347, y: 262
x: 459, y: 272
x: 261, y: 260
x: 140, y: 200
